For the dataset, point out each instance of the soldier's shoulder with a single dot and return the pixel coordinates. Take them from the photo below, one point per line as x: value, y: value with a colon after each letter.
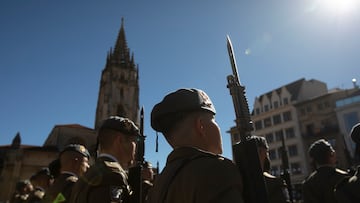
x: 311, y: 176
x: 106, y: 172
x: 72, y: 179
x: 214, y: 162
x: 270, y: 176
x: 273, y: 180
x: 342, y: 172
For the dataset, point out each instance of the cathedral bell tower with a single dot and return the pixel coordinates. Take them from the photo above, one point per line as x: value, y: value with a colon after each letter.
x: 119, y: 85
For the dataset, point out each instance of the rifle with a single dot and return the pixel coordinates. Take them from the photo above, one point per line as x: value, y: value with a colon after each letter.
x: 285, y: 168
x: 135, y: 178
x: 245, y: 152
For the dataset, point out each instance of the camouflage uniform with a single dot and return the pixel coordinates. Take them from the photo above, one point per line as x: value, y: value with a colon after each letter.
x: 348, y: 190
x: 276, y: 188
x: 319, y: 186
x: 192, y: 175
x: 60, y: 191
x: 105, y: 181
x: 37, y: 195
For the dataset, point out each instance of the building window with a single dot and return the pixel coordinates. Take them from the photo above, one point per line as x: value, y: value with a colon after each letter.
x: 309, y: 109
x: 278, y: 135
x: 290, y: 133
x: 302, y: 112
x: 286, y: 101
x: 320, y: 106
x: 266, y: 107
x: 293, y: 150
x: 326, y: 104
x: 276, y: 104
x: 310, y: 129
x: 272, y: 154
x: 121, y: 93
x: 267, y: 122
x: 277, y: 119
x: 279, y: 151
x: 295, y: 168
x: 257, y: 110
x: 258, y: 125
x: 287, y: 116
x: 269, y: 137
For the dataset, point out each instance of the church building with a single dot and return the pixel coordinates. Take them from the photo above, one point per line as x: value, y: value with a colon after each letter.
x: 118, y: 95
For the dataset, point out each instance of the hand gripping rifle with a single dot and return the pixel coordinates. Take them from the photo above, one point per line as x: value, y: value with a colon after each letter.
x: 135, y: 178
x: 285, y: 168
x: 245, y: 152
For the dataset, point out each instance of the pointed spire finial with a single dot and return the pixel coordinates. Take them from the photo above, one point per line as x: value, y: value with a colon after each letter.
x: 16, y: 141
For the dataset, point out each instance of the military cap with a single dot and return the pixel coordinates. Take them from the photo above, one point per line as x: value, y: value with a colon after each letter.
x: 319, y: 149
x: 76, y: 148
x: 355, y: 133
x: 182, y: 100
x: 121, y: 124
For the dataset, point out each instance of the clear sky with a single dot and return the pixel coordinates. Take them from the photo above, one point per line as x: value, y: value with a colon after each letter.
x: 52, y: 54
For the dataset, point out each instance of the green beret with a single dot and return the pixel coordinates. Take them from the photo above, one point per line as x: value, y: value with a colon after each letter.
x: 76, y: 148
x: 123, y: 125
x: 182, y: 100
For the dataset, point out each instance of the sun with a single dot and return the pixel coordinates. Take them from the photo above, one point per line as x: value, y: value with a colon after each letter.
x: 339, y: 7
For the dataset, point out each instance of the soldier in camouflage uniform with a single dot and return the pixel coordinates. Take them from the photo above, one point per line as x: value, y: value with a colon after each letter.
x: 195, y: 171
x: 319, y: 186
x: 107, y: 180
x: 74, y: 162
x: 22, y: 190
x: 41, y: 181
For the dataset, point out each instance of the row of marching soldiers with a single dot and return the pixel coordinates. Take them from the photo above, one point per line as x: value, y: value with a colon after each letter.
x: 195, y: 171
x: 103, y: 181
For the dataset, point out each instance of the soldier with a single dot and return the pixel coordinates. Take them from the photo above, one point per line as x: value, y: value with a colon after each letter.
x: 74, y: 162
x: 107, y: 180
x: 348, y: 190
x: 54, y: 168
x: 319, y: 186
x: 22, y: 190
x: 195, y: 171
x: 147, y: 175
x: 41, y: 181
x: 277, y: 190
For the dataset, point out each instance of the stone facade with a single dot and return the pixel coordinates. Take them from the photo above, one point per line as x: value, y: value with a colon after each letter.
x: 119, y: 85
x: 118, y: 95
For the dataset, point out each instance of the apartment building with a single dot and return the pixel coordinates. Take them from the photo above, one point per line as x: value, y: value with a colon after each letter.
x: 275, y: 117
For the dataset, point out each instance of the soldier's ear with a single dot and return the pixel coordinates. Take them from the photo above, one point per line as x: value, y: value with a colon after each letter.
x: 200, y: 126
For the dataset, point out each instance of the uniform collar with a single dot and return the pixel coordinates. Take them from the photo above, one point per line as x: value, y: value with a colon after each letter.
x: 108, y: 156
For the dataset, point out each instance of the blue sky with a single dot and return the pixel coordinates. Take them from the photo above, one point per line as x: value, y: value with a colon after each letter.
x: 52, y: 54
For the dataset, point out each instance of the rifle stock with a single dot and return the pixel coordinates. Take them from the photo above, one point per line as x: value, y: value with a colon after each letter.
x: 135, y: 178
x: 245, y: 152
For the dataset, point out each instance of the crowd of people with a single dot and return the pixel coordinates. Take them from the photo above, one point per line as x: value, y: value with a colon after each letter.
x: 195, y: 171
